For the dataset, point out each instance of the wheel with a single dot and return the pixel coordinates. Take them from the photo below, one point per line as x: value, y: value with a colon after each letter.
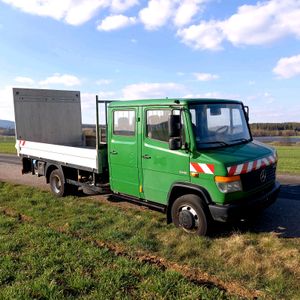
x: 57, y: 183
x: 188, y: 212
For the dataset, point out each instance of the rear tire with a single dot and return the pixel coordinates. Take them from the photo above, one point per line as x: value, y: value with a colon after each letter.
x: 57, y: 183
x: 189, y: 213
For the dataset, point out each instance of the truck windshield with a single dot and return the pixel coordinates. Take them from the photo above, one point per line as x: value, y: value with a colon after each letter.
x: 219, y: 124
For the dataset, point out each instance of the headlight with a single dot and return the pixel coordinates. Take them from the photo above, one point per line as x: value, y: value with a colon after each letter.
x: 228, y: 184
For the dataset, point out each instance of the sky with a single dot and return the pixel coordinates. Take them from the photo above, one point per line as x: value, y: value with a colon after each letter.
x: 135, y: 49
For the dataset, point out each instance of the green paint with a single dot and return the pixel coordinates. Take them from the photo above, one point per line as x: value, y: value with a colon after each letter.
x: 137, y: 160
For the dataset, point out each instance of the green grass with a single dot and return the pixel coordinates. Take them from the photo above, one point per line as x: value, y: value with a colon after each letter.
x: 39, y: 263
x: 50, y: 252
x: 289, y: 159
x: 7, y: 144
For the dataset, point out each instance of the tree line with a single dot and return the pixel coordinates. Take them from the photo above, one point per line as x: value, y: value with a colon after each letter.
x: 276, y: 129
x: 257, y: 129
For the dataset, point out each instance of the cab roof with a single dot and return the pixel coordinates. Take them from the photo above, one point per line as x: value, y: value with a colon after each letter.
x: 169, y: 101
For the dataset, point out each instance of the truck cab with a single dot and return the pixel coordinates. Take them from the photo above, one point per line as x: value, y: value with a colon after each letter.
x: 195, y: 157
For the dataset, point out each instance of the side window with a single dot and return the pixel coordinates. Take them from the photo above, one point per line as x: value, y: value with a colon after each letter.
x: 157, y: 124
x: 124, y: 122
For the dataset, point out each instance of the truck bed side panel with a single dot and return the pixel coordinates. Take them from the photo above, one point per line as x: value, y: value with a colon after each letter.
x: 81, y: 157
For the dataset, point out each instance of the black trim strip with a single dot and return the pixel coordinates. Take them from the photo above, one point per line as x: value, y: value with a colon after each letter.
x: 142, y: 202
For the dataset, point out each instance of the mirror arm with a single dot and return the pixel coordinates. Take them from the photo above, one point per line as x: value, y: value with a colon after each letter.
x: 247, y: 112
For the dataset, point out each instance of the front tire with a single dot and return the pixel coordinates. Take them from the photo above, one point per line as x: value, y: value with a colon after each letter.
x: 189, y: 213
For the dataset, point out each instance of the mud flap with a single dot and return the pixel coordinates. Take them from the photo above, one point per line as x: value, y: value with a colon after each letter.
x: 27, y: 165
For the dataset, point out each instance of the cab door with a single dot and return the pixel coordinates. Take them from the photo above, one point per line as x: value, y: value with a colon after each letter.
x: 123, y: 151
x: 161, y: 167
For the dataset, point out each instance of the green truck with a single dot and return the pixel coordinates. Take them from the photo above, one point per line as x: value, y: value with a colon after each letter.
x: 194, y: 159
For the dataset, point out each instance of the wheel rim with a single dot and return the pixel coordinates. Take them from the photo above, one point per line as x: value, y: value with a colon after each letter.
x: 188, y: 218
x: 56, y: 184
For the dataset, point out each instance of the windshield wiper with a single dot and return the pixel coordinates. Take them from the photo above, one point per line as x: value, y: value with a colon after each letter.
x: 215, y: 142
x: 240, y: 140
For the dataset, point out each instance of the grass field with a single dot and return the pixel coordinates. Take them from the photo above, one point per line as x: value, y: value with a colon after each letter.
x: 289, y: 159
x: 40, y: 263
x: 7, y: 144
x: 82, y: 247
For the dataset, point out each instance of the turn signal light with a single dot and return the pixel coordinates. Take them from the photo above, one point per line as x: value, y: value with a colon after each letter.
x: 227, y: 179
x: 194, y: 174
x: 228, y: 184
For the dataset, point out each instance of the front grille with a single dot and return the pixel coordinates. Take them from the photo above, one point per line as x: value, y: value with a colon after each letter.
x: 252, y: 180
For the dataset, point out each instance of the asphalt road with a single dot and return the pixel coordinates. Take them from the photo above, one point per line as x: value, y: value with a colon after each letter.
x: 282, y: 218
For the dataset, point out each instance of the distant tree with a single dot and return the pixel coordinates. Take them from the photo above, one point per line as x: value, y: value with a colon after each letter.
x: 275, y: 129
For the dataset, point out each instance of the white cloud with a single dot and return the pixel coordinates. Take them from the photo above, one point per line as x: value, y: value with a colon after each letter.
x: 153, y: 15
x: 159, y: 12
x: 53, y: 9
x: 116, y: 22
x: 263, y: 23
x: 205, y: 76
x: 152, y: 90
x: 61, y: 79
x: 82, y: 11
x: 156, y: 13
x: 258, y: 24
x: 24, y: 80
x: 206, y: 35
x: 288, y: 67
x: 74, y: 12
x: 122, y: 5
x: 186, y: 11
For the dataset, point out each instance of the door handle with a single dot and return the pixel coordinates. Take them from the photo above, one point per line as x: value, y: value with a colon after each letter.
x: 113, y: 152
x: 146, y: 156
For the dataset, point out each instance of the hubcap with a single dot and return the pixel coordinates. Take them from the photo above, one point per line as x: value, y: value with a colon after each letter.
x: 56, y: 184
x: 188, y: 218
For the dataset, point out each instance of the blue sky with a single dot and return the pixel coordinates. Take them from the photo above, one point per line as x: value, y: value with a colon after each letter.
x: 130, y: 49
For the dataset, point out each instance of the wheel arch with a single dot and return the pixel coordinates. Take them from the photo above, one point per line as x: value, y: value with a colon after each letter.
x: 49, y: 168
x: 182, y: 188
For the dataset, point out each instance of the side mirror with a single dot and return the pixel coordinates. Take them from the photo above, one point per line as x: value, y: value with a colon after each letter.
x: 174, y: 126
x: 247, y: 112
x: 175, y: 143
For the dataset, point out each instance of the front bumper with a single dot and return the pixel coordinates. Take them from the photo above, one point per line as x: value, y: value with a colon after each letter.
x: 244, y: 208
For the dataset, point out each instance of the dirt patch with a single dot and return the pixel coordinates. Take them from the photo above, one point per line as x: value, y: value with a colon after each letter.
x: 11, y: 213
x: 13, y: 173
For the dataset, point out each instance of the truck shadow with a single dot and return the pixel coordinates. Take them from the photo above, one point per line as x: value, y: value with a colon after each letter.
x: 282, y: 218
